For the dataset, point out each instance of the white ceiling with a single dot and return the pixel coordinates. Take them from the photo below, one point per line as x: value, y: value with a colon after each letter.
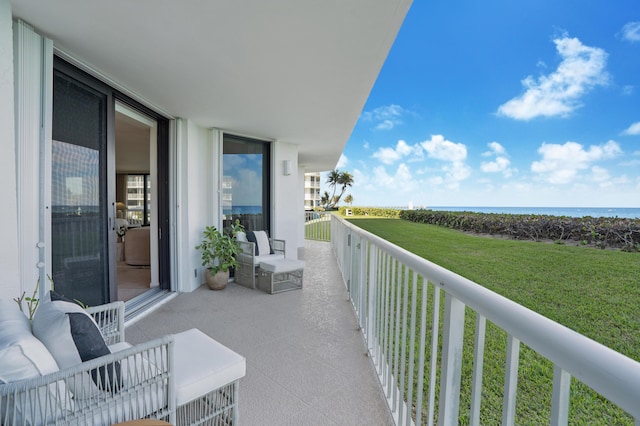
x: 296, y: 71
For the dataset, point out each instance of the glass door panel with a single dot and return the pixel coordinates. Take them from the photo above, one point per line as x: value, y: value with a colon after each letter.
x: 79, y: 216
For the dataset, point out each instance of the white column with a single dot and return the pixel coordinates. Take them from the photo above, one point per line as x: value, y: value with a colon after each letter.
x: 33, y: 62
x: 9, y: 269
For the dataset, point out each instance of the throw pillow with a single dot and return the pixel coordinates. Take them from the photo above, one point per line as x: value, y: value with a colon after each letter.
x: 72, y: 337
x: 251, y: 237
x: 22, y: 357
x: 262, y: 242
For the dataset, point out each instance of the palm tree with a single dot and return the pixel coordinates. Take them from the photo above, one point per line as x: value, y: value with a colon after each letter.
x: 346, y: 180
x: 324, y: 200
x: 333, y: 179
x: 348, y: 199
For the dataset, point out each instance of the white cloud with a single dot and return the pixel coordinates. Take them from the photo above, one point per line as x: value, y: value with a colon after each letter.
x: 558, y: 94
x: 495, y: 149
x: 501, y: 164
x: 385, y: 117
x: 561, y: 164
x: 391, y: 155
x: 441, y: 149
x: 634, y: 129
x: 631, y: 31
x: 401, y: 181
x: 342, y: 161
x: 454, y: 154
x: 627, y: 90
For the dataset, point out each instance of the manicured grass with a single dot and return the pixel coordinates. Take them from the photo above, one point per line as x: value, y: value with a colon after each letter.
x: 594, y: 292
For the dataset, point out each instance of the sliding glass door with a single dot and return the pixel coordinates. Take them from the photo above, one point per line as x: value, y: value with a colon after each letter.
x: 79, y: 213
x: 101, y: 137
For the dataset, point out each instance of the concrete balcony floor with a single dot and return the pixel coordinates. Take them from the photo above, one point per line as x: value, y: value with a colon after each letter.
x: 306, y: 360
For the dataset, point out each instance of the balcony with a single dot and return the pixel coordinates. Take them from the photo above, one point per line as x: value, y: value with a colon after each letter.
x: 306, y: 360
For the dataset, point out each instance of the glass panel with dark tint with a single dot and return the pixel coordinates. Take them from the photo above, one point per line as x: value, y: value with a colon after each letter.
x: 245, y: 182
x: 78, y: 194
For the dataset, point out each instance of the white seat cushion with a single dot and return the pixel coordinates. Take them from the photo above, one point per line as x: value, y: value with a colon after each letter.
x: 202, y: 365
x: 284, y: 265
x: 267, y: 258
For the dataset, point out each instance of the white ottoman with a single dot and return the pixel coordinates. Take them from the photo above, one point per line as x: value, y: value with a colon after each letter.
x: 206, y: 377
x: 276, y: 276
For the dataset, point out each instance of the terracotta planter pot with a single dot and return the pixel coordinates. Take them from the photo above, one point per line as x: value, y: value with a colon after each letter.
x: 217, y: 281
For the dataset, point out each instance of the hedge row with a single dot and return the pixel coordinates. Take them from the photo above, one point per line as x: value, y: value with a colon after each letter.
x: 371, y: 211
x: 602, y: 232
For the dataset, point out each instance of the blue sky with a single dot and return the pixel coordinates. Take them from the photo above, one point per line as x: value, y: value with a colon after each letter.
x: 501, y: 103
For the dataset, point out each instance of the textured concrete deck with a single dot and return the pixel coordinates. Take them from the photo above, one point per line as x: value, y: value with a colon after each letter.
x: 306, y: 360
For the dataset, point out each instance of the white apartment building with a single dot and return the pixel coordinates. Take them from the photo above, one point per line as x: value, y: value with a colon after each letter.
x: 311, y: 190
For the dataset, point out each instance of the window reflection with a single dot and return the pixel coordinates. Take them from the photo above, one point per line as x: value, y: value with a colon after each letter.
x: 245, y: 182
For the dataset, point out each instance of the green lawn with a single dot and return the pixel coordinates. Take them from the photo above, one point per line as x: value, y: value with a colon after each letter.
x: 595, y: 292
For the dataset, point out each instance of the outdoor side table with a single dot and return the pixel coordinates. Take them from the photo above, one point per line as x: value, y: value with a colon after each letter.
x: 277, y: 276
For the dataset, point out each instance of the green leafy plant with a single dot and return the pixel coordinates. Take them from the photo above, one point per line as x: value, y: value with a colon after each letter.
x: 235, y: 228
x: 218, y: 250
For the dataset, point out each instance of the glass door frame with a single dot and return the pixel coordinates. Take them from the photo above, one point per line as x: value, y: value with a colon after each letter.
x: 163, y: 186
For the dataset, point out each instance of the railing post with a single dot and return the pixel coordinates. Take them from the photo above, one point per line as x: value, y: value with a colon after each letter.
x: 372, y: 312
x: 451, y: 370
x: 511, y: 381
x: 560, y: 397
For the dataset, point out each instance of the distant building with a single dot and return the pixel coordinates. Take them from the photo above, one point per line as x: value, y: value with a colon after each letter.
x: 311, y: 190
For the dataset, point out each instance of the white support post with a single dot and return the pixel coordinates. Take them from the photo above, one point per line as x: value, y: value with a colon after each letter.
x: 560, y: 397
x: 451, y: 369
x: 372, y: 297
x: 478, y: 363
x: 511, y: 381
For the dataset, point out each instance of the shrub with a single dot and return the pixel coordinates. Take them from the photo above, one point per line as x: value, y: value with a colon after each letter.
x: 385, y: 212
x: 602, y: 232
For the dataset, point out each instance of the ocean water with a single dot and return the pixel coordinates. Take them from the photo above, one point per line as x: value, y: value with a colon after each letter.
x: 621, y: 212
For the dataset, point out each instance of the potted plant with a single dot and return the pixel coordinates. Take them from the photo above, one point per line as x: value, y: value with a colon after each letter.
x: 218, y: 255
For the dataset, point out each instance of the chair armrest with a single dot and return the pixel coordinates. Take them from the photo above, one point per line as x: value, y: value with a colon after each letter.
x: 278, y: 246
x: 246, y: 253
x: 110, y: 320
x: 145, y: 389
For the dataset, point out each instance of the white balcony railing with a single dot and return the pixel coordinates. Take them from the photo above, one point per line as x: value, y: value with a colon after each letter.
x: 385, y: 286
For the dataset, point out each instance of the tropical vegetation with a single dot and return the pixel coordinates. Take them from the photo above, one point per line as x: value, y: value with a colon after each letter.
x: 336, y: 179
x: 602, y: 232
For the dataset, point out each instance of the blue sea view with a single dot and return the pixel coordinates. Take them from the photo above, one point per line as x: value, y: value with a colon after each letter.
x: 231, y: 210
x: 621, y: 212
